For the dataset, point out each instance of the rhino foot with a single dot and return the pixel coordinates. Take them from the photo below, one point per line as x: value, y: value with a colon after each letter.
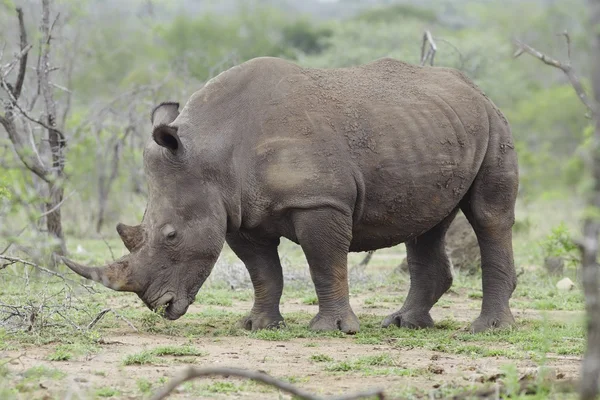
x: 255, y: 322
x: 492, y: 321
x: 407, y: 319
x: 346, y: 322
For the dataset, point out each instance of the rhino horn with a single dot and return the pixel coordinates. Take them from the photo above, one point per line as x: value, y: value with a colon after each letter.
x: 132, y: 236
x: 114, y: 276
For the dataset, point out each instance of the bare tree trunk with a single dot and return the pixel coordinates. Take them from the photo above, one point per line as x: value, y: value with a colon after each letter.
x: 55, y: 138
x: 591, y: 363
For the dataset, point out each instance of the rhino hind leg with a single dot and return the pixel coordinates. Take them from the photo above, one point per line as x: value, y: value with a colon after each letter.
x: 490, y: 210
x: 325, y: 236
x: 430, y: 277
x: 262, y: 261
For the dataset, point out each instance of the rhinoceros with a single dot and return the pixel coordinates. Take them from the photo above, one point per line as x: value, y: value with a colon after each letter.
x: 337, y: 160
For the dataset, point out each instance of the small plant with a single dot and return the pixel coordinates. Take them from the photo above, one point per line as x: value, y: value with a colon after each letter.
x: 222, y: 387
x: 43, y: 372
x: 142, y: 358
x: 310, y: 300
x: 150, y: 320
x: 177, y: 351
x: 61, y: 353
x: 559, y: 243
x: 144, y: 385
x: 321, y: 358
x: 151, y: 356
x: 107, y: 392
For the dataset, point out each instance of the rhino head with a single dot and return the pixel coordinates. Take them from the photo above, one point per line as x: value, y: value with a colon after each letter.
x: 174, y: 249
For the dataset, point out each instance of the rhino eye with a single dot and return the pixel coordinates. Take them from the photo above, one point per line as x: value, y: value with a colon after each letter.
x: 169, y: 232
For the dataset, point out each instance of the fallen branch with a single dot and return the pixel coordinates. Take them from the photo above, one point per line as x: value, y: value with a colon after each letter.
x: 101, y: 315
x: 193, y: 373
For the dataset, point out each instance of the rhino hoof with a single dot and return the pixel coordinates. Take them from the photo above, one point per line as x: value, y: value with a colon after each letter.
x: 488, y: 322
x: 408, y: 320
x: 347, y: 323
x: 254, y: 322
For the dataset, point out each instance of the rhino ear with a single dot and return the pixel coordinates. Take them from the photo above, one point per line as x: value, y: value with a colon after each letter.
x: 167, y: 137
x: 164, y: 113
x: 163, y: 134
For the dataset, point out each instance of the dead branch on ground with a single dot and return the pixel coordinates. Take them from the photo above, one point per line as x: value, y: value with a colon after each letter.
x: 193, y: 373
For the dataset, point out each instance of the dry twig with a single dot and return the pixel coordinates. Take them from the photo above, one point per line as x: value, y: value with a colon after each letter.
x: 566, y: 67
x: 193, y: 373
x: 430, y: 54
x: 14, y: 260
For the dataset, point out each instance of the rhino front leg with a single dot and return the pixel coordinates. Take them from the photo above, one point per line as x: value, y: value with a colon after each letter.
x: 262, y: 261
x: 430, y: 277
x: 325, y: 237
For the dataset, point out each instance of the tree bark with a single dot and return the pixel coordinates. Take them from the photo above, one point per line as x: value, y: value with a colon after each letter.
x: 55, y: 137
x: 591, y: 363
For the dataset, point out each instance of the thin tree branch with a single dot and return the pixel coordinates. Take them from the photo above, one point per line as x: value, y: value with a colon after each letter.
x: 32, y: 164
x: 568, y: 39
x: 24, y: 113
x: 25, y: 262
x: 6, y: 70
x: 15, y: 260
x: 24, y: 52
x: 56, y: 206
x: 193, y: 373
x: 430, y: 55
x: 566, y: 68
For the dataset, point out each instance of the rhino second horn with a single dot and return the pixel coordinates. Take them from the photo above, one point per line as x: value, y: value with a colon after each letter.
x: 113, y: 276
x: 132, y: 236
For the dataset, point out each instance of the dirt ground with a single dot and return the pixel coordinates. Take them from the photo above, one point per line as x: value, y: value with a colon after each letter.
x: 283, y: 359
x: 323, y: 365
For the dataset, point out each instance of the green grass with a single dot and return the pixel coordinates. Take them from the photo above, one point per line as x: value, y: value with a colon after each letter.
x: 141, y: 358
x: 320, y: 358
x: 144, y: 385
x: 60, y: 354
x: 218, y: 309
x: 310, y: 300
x: 153, y: 356
x: 178, y: 351
x: 376, y: 365
x: 215, y: 297
x: 107, y: 392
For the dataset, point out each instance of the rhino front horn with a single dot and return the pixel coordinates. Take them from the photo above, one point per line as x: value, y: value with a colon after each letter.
x: 114, y: 276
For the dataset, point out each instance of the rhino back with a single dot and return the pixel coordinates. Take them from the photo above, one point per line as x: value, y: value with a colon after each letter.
x: 395, y: 145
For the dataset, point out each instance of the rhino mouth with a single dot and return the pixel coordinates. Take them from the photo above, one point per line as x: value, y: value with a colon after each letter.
x: 175, y: 309
x: 169, y: 307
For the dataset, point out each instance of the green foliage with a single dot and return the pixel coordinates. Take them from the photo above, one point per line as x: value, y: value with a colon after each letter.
x: 304, y: 36
x: 60, y: 354
x: 397, y: 12
x: 144, y: 385
x: 107, y: 392
x: 141, y: 358
x: 560, y: 243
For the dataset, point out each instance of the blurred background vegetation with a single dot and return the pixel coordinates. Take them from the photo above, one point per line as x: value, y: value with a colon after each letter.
x: 117, y: 59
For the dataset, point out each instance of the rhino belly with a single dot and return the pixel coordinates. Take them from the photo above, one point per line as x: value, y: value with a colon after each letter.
x: 395, y: 213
